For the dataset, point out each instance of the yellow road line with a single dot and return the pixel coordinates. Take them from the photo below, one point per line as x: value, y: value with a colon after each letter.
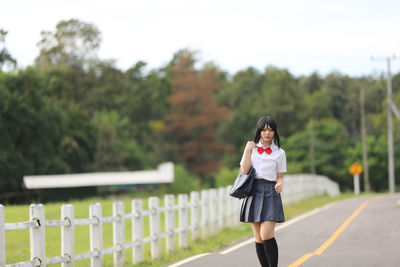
x: 334, y: 236
x: 279, y: 227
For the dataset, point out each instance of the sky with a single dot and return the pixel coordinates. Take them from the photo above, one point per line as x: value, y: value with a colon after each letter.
x: 302, y: 36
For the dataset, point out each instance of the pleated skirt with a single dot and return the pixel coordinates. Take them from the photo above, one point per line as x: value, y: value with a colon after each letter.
x: 265, y: 204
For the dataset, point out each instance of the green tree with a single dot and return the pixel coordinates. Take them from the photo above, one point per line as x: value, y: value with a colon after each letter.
x: 281, y: 97
x: 39, y: 135
x: 116, y: 150
x: 332, y: 144
x: 73, y: 43
x: 239, y: 95
x: 5, y: 57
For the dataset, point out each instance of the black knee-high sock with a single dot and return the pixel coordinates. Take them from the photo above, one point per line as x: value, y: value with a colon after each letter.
x: 271, y: 251
x: 261, y: 255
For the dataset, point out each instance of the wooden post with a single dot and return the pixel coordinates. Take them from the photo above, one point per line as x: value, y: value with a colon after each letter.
x: 228, y: 208
x: 137, y: 231
x: 2, y: 237
x: 119, y: 233
x: 155, y: 245
x: 213, y: 211
x: 204, y: 213
x: 68, y: 235
x: 236, y: 212
x: 37, y: 234
x: 195, y: 214
x: 169, y: 202
x: 183, y: 220
x: 96, y: 234
x: 221, y: 207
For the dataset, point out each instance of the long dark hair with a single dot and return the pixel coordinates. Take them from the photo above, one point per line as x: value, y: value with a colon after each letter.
x: 267, y: 121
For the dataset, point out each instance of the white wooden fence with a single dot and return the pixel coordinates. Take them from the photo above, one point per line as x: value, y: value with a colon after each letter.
x: 210, y: 210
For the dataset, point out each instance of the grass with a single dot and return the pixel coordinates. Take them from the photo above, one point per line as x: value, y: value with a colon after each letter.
x: 17, y: 242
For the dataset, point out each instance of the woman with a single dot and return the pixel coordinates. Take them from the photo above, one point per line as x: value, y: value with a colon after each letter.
x: 263, y: 208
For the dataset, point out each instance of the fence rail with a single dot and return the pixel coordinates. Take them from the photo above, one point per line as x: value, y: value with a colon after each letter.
x: 200, y: 215
x: 210, y: 210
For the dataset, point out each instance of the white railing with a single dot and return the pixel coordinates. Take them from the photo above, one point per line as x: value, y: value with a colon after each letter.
x: 300, y: 186
x: 210, y: 210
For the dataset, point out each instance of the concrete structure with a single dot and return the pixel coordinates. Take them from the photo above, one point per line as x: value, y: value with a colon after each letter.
x: 300, y: 186
x: 163, y: 174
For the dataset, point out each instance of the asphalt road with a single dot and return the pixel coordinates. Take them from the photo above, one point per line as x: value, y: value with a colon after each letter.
x: 363, y: 231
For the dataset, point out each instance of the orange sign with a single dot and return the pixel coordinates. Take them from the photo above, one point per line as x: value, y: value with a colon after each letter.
x: 355, y: 168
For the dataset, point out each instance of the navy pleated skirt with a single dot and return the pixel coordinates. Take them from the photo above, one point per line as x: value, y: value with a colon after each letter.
x: 265, y: 204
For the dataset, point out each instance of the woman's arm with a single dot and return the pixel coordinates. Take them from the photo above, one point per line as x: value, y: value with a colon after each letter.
x: 279, y: 182
x: 245, y: 164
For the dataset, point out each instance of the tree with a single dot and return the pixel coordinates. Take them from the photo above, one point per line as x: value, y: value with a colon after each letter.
x: 239, y: 95
x: 39, y: 135
x: 281, y: 98
x: 194, y: 117
x: 331, y: 148
x: 344, y: 92
x: 74, y: 43
x: 5, y: 57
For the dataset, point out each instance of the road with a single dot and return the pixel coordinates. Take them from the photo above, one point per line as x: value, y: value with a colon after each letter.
x: 362, y: 231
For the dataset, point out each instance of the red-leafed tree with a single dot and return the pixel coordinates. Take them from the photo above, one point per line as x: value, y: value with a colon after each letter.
x: 192, y: 122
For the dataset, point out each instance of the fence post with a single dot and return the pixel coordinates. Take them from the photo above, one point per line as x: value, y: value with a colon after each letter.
x: 96, y: 234
x: 155, y: 245
x: 228, y: 209
x: 204, y: 213
x: 119, y: 233
x: 37, y: 234
x: 195, y: 214
x: 137, y: 231
x: 2, y: 237
x: 169, y: 202
x: 183, y: 220
x: 221, y: 207
x: 213, y: 211
x: 68, y: 235
x: 236, y: 212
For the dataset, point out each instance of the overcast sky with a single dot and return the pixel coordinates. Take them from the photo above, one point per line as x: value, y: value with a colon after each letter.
x: 302, y: 36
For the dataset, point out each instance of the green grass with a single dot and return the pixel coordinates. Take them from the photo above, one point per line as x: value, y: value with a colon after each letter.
x: 17, y: 242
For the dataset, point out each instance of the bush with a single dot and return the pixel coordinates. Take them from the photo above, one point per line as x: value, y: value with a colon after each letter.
x: 225, y: 177
x: 185, y: 182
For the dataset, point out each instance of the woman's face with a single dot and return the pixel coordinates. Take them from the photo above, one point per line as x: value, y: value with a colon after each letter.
x: 267, y: 134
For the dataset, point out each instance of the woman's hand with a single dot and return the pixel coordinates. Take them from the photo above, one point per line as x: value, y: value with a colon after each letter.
x: 278, y: 187
x: 279, y: 183
x: 249, y: 146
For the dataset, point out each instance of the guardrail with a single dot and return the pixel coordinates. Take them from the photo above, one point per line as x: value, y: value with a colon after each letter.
x: 210, y: 210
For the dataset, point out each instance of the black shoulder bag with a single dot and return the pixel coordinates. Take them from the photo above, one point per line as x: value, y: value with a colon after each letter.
x: 243, y: 185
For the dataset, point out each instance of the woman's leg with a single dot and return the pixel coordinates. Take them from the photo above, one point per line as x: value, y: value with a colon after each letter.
x: 256, y: 227
x: 267, y: 230
x: 262, y: 258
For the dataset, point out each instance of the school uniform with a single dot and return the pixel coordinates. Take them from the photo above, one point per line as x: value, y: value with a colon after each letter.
x: 265, y: 204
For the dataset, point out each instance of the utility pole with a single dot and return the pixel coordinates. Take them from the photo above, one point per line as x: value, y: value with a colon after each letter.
x: 390, y: 108
x: 312, y: 147
x: 367, y: 185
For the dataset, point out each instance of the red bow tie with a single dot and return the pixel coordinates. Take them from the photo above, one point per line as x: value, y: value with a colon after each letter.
x: 267, y: 150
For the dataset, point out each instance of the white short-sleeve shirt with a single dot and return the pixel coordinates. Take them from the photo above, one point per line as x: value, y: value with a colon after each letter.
x: 267, y: 166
